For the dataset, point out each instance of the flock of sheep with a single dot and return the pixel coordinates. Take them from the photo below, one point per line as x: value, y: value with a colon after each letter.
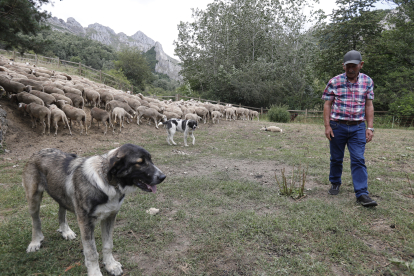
x: 52, y: 97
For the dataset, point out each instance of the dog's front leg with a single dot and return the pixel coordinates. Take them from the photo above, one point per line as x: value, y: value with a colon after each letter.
x: 107, y: 227
x: 185, y: 138
x: 192, y: 135
x: 87, y: 227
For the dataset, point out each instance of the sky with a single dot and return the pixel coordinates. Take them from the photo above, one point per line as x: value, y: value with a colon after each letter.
x: 158, y: 19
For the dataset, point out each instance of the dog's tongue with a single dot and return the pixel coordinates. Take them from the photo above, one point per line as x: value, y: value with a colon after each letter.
x: 152, y: 188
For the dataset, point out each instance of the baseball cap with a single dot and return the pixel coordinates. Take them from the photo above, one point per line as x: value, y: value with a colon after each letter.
x: 352, y: 57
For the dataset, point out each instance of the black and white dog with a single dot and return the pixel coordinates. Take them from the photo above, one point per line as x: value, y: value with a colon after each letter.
x: 186, y: 126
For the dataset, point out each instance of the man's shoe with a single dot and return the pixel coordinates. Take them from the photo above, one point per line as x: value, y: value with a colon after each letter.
x: 366, y: 201
x: 334, y: 190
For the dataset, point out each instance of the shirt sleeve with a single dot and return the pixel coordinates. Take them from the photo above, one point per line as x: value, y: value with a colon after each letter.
x: 370, y: 90
x: 329, y: 93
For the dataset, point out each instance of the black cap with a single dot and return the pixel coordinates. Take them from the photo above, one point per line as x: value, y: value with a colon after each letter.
x: 352, y: 57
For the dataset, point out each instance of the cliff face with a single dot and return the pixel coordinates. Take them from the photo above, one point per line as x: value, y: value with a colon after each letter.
x: 166, y: 64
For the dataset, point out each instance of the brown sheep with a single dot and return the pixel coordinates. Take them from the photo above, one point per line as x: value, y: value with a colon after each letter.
x: 101, y: 116
x: 151, y: 113
x: 46, y: 98
x: 62, y: 98
x: 27, y: 98
x: 12, y: 86
x: 57, y: 116
x: 77, y: 100
x: 92, y: 97
x: 74, y: 113
x: 39, y: 112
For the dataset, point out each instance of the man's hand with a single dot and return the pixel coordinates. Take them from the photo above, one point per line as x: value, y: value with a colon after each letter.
x: 368, y: 135
x: 328, y: 132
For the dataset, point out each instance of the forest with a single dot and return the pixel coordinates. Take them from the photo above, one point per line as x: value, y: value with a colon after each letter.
x: 257, y: 53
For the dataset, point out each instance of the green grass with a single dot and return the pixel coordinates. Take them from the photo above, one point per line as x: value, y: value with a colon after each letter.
x: 219, y: 221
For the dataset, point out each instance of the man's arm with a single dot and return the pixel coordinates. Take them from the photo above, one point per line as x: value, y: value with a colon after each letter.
x: 369, y: 116
x: 326, y: 114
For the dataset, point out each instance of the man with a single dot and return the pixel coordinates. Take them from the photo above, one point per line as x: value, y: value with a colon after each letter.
x: 348, y: 109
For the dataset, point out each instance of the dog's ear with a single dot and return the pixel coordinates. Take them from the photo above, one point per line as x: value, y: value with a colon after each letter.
x: 115, y: 164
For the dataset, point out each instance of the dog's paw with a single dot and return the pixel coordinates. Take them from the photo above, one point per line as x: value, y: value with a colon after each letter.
x: 33, y: 246
x: 67, y: 234
x: 114, y: 268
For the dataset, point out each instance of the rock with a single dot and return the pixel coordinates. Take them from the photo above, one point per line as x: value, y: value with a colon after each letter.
x: 165, y: 65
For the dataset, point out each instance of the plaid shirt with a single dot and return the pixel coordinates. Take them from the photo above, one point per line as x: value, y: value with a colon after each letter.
x: 349, y: 98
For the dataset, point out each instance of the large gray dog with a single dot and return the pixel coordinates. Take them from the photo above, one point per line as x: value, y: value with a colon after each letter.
x: 93, y: 188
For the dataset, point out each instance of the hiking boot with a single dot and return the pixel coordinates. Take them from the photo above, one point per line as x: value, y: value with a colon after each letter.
x: 366, y: 201
x: 334, y: 190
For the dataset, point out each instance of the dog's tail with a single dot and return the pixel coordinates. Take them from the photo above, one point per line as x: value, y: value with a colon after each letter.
x: 162, y: 123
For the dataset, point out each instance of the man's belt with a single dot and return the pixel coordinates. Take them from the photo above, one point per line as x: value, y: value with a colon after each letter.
x: 349, y: 123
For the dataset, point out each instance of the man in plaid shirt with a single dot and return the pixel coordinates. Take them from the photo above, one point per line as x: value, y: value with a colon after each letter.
x: 347, y: 110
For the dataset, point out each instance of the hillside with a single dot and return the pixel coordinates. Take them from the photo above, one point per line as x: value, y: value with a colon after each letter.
x: 165, y: 64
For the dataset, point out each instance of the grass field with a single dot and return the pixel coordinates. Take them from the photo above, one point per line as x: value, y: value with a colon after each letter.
x: 221, y: 212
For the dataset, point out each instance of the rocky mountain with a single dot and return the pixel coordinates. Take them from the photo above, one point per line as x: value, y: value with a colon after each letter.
x: 165, y: 65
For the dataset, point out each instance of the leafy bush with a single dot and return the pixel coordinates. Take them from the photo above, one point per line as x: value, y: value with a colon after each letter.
x: 278, y: 114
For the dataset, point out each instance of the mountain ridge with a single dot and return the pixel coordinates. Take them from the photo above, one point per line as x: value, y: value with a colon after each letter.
x: 165, y: 65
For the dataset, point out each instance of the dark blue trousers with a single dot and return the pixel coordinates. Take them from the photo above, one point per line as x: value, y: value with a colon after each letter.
x: 353, y: 137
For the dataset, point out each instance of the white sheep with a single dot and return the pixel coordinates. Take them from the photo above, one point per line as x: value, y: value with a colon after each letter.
x: 272, y: 129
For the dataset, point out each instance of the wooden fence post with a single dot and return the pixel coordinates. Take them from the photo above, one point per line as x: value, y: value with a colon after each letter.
x: 176, y: 97
x: 14, y: 55
x: 261, y: 111
x: 36, y: 59
x: 80, y: 69
x: 58, y: 62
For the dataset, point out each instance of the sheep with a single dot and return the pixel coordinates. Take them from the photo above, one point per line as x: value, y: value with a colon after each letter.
x: 69, y: 89
x: 49, y: 89
x: 12, y: 86
x: 120, y: 97
x: 121, y: 114
x: 151, y: 113
x: 27, y: 98
x: 194, y: 117
x: 230, y: 113
x: 77, y: 100
x: 133, y: 103
x: 170, y: 115
x: 36, y: 85
x: 62, y: 98
x: 46, y: 98
x: 57, y: 116
x: 74, y: 113
x: 92, y: 97
x: 37, y: 111
x: 272, y: 129
x: 106, y: 96
x: 216, y: 116
x: 112, y: 104
x: 101, y: 116
x: 202, y: 112
x: 254, y: 114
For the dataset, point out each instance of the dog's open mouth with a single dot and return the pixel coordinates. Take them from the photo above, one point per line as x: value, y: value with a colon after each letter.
x: 145, y: 187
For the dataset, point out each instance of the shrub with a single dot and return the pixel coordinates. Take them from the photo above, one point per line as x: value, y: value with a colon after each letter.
x: 278, y: 114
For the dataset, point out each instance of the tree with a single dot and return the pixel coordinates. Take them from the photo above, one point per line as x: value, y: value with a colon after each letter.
x: 243, y: 50
x: 354, y: 26
x: 134, y: 66
x: 20, y: 22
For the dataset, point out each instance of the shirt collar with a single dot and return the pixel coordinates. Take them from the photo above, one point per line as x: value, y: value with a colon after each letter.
x: 346, y: 77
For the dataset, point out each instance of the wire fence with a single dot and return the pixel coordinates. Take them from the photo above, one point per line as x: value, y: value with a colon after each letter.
x: 382, y: 119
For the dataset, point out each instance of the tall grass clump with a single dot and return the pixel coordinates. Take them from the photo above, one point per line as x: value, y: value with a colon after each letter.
x: 279, y: 114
